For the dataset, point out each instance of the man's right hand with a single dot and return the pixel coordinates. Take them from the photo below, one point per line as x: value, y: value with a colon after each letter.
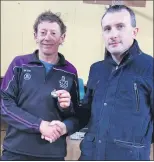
x: 52, y: 132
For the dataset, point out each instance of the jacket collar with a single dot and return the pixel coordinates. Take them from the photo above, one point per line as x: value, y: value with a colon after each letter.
x: 133, y: 51
x: 35, y: 59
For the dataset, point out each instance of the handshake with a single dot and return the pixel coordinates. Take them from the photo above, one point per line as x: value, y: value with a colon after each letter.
x: 51, y: 131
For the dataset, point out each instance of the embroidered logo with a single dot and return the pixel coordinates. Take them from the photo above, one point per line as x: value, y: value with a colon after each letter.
x: 63, y: 83
x: 27, y: 76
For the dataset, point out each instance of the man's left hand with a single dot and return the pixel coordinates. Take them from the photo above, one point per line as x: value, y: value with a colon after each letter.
x: 64, y: 98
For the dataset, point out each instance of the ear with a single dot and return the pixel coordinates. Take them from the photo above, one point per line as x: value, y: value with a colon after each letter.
x: 35, y: 37
x: 135, y: 32
x: 62, y: 38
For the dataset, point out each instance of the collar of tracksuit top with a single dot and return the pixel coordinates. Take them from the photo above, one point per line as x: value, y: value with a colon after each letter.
x: 35, y: 59
x: 132, y: 52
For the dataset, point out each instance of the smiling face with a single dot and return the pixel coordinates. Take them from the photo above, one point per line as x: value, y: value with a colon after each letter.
x: 118, y: 32
x: 49, y: 37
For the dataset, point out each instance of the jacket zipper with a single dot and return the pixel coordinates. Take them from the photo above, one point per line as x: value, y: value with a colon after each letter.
x: 137, y: 95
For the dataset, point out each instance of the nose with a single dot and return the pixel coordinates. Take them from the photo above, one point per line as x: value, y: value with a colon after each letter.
x: 48, y: 36
x: 114, y: 33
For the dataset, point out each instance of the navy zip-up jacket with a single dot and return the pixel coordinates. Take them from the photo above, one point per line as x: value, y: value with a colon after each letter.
x: 120, y: 102
x: 26, y: 100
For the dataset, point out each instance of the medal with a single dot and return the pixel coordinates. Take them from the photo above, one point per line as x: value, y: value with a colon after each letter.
x: 54, y: 94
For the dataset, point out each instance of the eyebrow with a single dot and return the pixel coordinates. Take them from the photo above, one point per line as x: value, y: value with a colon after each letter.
x: 115, y: 24
x: 120, y: 24
x: 106, y: 26
x: 50, y: 30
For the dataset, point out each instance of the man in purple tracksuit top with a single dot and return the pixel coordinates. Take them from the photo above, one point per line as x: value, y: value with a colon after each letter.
x: 37, y: 97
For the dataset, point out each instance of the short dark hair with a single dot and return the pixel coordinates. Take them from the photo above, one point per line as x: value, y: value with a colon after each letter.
x: 50, y: 17
x: 117, y: 8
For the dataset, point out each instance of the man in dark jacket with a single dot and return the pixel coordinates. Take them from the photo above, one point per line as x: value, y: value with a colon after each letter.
x: 119, y: 96
x: 35, y: 91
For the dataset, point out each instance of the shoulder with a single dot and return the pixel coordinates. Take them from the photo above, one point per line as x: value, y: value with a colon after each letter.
x: 147, y: 57
x: 144, y: 60
x: 96, y: 65
x: 22, y: 59
x: 70, y: 67
x: 143, y: 65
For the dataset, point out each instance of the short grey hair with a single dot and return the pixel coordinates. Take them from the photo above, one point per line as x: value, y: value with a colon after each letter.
x: 50, y: 17
x: 117, y: 8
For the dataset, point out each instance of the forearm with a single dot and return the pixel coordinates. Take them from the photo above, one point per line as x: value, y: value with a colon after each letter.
x: 72, y: 125
x: 19, y: 118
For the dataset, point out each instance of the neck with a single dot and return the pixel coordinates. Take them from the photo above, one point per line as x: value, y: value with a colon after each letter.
x: 52, y: 59
x: 117, y: 58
